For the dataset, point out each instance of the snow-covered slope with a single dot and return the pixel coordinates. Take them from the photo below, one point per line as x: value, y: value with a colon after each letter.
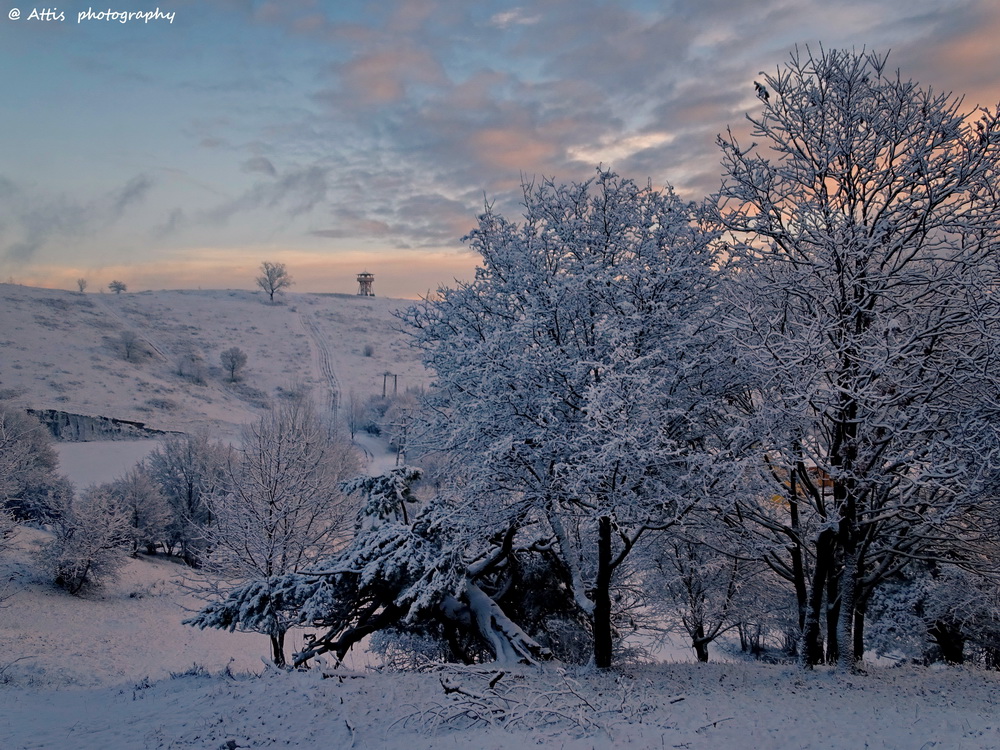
x: 62, y: 350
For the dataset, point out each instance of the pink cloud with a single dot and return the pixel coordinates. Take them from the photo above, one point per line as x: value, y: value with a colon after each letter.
x: 382, y: 77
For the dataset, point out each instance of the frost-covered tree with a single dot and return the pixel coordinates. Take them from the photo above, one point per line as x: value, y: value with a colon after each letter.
x: 187, y: 469
x: 700, y: 585
x: 273, y: 278
x: 279, y: 508
x: 92, y: 537
x: 149, y: 513
x: 575, y: 372
x: 30, y: 489
x: 233, y: 360
x: 862, y: 222
x: 81, y: 284
x: 130, y: 344
x: 118, y: 286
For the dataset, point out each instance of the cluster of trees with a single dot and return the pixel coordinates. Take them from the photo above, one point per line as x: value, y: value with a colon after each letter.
x: 774, y: 411
x: 273, y: 278
x: 161, y: 504
x: 268, y: 507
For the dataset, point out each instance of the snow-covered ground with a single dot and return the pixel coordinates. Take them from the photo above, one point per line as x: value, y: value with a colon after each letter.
x: 116, y: 669
x: 100, y: 461
x: 61, y: 350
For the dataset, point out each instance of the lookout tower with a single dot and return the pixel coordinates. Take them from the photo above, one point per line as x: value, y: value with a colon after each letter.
x: 365, y: 281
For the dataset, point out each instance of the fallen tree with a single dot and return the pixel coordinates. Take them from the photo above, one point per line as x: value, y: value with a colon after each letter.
x: 419, y: 575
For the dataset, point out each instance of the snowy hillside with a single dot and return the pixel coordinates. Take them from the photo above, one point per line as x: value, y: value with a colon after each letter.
x: 64, y: 350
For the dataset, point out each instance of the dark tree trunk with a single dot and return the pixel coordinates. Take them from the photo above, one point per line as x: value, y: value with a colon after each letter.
x: 860, y: 615
x: 833, y: 609
x: 812, y: 637
x: 602, y: 596
x: 798, y: 568
x: 949, y: 640
x: 700, y: 643
x: 278, y: 649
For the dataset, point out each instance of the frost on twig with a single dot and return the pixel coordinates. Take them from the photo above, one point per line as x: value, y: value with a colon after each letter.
x: 535, y: 700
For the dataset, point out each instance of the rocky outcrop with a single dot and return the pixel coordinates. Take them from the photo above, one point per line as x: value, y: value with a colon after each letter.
x: 79, y: 428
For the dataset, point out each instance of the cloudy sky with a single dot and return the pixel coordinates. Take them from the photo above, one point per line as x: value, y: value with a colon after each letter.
x: 344, y: 136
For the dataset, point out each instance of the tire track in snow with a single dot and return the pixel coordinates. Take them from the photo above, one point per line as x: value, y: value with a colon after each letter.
x: 111, y: 312
x: 325, y: 366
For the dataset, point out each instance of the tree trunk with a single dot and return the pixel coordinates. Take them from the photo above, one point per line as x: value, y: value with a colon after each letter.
x: 847, y: 658
x: 833, y: 608
x: 509, y: 642
x: 278, y: 649
x: 860, y: 612
x: 603, y: 640
x: 812, y: 638
x: 700, y: 643
x: 798, y: 568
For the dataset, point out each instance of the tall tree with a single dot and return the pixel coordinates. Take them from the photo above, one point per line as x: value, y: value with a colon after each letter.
x: 862, y: 224
x: 572, y: 373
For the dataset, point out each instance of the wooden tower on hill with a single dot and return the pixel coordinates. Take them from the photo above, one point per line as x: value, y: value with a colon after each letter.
x: 365, y: 281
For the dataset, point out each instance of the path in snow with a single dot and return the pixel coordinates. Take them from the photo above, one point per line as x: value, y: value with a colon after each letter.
x: 323, y: 359
x: 116, y: 315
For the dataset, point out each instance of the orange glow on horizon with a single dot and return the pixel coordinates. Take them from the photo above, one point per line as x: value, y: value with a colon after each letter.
x: 398, y: 275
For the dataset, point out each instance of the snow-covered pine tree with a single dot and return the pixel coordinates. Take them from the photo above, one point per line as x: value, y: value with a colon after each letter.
x: 406, y: 571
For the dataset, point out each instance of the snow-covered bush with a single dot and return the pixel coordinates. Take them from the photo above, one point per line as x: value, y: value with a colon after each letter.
x: 937, y: 614
x: 29, y: 486
x: 92, y: 541
x: 8, y: 525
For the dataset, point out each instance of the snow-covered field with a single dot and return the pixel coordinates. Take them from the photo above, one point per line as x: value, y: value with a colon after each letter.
x: 60, y: 350
x: 116, y: 669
